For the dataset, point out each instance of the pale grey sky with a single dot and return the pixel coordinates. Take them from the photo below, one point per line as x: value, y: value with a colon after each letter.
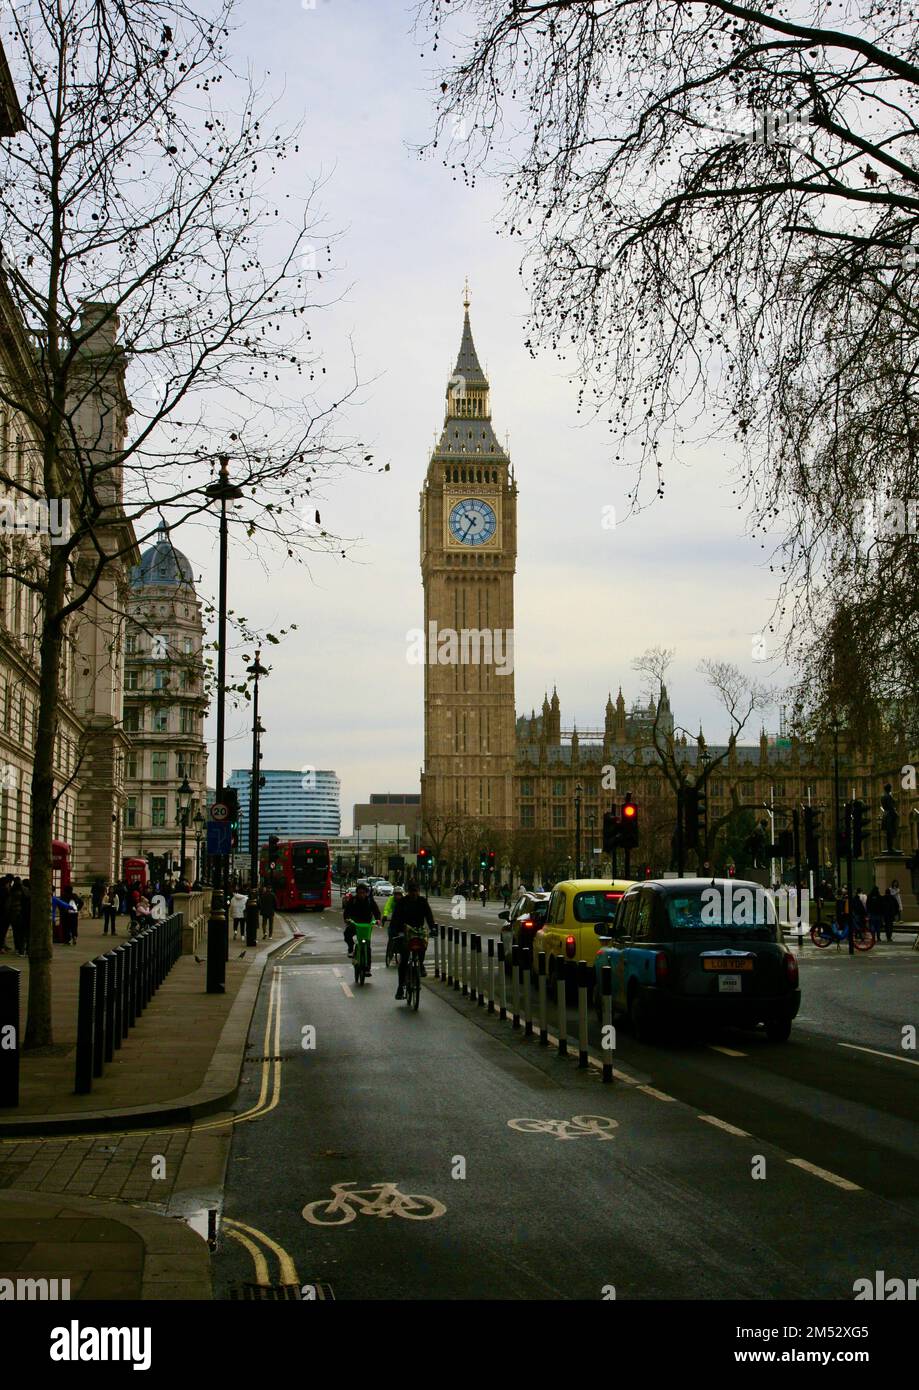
x: 587, y: 599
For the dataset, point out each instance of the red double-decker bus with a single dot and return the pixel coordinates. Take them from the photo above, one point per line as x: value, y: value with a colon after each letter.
x: 300, y: 872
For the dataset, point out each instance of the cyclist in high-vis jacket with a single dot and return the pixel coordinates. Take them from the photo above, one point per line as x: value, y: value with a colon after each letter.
x: 389, y: 908
x: 361, y: 914
x: 411, y: 917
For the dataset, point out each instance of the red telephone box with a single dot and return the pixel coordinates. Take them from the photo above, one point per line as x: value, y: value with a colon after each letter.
x: 134, y: 872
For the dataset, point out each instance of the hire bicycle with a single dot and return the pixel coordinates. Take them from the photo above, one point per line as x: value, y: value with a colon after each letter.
x: 361, y: 956
x: 825, y: 933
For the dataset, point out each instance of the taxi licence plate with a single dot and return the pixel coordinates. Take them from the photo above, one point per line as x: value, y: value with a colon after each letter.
x: 726, y: 963
x: 729, y: 984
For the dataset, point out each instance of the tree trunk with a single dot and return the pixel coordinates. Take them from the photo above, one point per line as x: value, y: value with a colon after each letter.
x: 39, y: 1028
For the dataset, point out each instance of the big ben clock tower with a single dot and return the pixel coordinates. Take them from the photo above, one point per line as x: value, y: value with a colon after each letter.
x: 468, y: 556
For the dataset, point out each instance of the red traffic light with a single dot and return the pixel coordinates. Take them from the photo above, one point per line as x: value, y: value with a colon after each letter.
x: 422, y: 854
x: 628, y: 810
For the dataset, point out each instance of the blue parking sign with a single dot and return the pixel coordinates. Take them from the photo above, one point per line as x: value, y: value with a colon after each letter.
x: 219, y: 837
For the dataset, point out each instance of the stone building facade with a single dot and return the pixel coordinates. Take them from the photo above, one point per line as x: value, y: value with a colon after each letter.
x: 164, y: 706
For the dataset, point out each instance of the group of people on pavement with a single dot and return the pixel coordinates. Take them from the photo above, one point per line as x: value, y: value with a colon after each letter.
x: 875, y: 910
x: 267, y: 907
x: 406, y: 916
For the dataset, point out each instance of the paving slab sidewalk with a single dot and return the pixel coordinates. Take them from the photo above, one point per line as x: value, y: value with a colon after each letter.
x: 180, y: 1060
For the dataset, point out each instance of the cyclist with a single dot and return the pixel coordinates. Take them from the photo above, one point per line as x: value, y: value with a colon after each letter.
x: 361, y: 915
x: 411, y: 917
x: 389, y: 908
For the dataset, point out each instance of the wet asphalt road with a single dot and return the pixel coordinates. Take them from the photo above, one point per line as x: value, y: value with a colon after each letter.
x: 420, y: 1116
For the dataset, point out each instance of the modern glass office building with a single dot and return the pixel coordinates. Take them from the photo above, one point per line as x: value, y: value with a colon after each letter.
x: 292, y: 804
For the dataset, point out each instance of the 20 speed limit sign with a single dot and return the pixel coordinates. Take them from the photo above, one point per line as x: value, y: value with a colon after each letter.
x: 219, y: 811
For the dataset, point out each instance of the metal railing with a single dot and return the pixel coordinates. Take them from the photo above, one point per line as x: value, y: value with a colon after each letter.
x: 508, y: 990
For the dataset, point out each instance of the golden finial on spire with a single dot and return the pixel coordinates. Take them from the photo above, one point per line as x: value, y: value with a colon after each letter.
x: 466, y: 294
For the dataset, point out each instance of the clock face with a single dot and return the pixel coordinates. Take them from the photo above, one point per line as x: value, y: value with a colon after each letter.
x: 472, y: 521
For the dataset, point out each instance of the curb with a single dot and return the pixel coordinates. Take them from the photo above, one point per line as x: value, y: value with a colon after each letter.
x: 216, y: 1092
x: 166, y: 1240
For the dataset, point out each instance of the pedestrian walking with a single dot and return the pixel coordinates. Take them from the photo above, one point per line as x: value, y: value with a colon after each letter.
x: 109, y: 910
x: 238, y: 913
x: 97, y: 893
x: 890, y: 912
x: 874, y: 910
x: 267, y: 905
x: 506, y: 894
x: 6, y: 883
x: 66, y: 906
x: 895, y: 891
x: 483, y: 893
x: 21, y: 914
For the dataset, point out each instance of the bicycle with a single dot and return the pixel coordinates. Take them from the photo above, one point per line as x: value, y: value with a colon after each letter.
x: 415, y: 945
x: 390, y: 948
x: 825, y: 933
x: 361, y: 955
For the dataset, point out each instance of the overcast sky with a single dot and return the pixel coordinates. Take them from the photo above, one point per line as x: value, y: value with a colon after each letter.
x: 588, y: 599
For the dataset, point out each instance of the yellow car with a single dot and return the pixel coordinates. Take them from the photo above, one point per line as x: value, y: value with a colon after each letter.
x: 580, y: 916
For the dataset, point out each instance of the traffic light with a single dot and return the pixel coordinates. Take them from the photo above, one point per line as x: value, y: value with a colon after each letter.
x: 274, y: 845
x: 695, y: 803
x: 628, y: 823
x: 491, y: 859
x: 230, y: 798
x: 611, y: 830
x: 859, y: 826
x: 482, y: 859
x: 421, y: 858
x: 812, y: 836
x: 785, y: 844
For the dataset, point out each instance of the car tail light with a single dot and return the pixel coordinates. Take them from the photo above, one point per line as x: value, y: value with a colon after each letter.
x: 791, y: 969
x: 661, y: 966
x: 527, y: 924
x: 570, y: 947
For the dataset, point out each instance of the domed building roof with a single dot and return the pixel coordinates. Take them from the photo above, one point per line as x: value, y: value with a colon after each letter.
x: 162, y: 564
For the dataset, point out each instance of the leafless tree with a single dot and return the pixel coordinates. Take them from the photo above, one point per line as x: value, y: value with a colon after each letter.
x: 135, y: 200
x: 718, y: 204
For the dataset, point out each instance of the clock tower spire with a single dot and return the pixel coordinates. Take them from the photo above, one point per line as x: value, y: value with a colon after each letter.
x: 468, y: 559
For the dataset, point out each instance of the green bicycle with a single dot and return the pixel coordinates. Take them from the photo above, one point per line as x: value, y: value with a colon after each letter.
x: 414, y: 947
x: 361, y: 955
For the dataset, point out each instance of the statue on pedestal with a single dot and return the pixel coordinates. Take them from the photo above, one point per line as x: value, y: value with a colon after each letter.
x: 890, y: 817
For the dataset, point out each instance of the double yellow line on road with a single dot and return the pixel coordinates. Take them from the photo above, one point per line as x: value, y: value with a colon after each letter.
x: 247, y: 1236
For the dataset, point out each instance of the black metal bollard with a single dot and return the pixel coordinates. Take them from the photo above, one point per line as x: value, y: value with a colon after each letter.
x: 111, y: 959
x: 83, y: 1081
x: 582, y: 977
x: 140, y: 961
x: 491, y: 974
x: 128, y: 997
x: 101, y: 1004
x: 543, y: 1020
x: 10, y: 980
x: 252, y: 919
x: 449, y: 955
x: 607, y: 1038
x: 502, y: 981
x: 479, y: 974
x: 464, y: 964
x: 118, y: 994
x: 148, y: 966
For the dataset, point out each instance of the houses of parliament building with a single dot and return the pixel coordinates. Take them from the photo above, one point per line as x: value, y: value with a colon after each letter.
x: 515, y: 782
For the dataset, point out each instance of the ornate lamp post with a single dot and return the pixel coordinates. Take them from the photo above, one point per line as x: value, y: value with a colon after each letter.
x: 577, y: 829
x: 256, y: 671
x: 217, y: 940
x: 184, y: 795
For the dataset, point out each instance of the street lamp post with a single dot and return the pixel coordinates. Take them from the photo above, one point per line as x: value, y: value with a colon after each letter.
x: 199, y: 827
x: 185, y: 795
x: 217, y: 937
x: 577, y: 830
x: 256, y: 671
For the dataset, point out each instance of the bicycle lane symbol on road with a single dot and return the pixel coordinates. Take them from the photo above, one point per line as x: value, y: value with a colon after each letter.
x: 578, y: 1127
x: 379, y: 1199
